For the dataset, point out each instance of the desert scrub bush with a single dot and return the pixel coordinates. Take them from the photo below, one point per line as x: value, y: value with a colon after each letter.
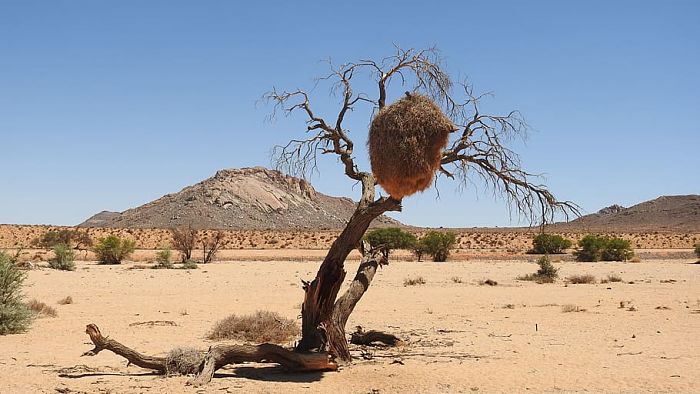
x: 189, y: 265
x: 15, y: 317
x: 617, y: 249
x: 65, y: 301
x: 697, y: 249
x: 581, y: 279
x: 547, y: 273
x: 549, y: 244
x: 593, y: 248
x: 262, y: 326
x: 590, y: 248
x: 163, y: 259
x: 418, y: 280
x: 63, y: 258
x: 611, y: 279
x: 388, y: 239
x: 41, y: 308
x: 438, y: 244
x: 51, y: 238
x: 112, y: 249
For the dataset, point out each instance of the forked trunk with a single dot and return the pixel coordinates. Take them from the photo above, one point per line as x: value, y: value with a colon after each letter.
x: 322, y: 326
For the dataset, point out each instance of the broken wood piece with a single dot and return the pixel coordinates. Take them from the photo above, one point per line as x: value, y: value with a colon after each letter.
x: 217, y: 357
x: 360, y: 337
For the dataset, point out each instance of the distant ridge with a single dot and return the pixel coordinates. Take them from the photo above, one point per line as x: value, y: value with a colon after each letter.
x: 244, y: 199
x: 674, y: 213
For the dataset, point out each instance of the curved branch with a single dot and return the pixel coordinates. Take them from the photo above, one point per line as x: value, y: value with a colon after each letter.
x: 482, y: 148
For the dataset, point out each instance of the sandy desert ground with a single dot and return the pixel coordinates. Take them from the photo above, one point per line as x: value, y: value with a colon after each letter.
x: 459, y: 337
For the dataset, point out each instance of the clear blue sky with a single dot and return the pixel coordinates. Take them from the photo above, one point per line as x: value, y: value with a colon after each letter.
x: 108, y: 105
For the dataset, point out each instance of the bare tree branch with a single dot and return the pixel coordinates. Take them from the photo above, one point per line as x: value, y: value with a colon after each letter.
x: 480, y: 151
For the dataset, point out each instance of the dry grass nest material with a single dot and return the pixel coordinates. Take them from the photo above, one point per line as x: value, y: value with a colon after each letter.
x: 183, y: 361
x: 406, y: 140
x: 263, y: 326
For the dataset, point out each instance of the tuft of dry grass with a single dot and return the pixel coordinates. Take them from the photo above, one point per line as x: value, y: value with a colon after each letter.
x: 41, y: 309
x: 581, y: 279
x: 456, y: 279
x: 262, y: 326
x: 65, y: 301
x: 571, y: 308
x: 418, y: 280
x: 611, y: 279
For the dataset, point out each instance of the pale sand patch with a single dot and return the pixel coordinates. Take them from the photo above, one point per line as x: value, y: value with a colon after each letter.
x: 461, y: 336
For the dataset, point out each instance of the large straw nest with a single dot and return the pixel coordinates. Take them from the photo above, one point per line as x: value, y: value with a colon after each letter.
x: 406, y: 140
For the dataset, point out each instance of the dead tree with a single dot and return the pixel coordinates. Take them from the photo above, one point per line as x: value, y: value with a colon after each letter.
x: 479, y: 150
x: 184, y: 241
x: 210, y: 246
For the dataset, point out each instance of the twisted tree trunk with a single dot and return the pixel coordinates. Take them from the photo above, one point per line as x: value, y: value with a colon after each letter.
x: 323, y: 319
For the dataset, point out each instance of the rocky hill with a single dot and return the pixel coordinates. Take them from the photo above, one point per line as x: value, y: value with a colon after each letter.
x: 245, y: 199
x: 666, y: 213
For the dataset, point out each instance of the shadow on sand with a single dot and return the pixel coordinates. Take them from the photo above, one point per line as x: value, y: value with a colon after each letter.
x: 270, y: 373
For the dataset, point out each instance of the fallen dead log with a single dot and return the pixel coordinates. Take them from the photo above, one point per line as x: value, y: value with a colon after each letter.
x: 360, y: 337
x: 204, y: 364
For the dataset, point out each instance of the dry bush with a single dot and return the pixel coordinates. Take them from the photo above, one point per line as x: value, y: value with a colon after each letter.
x: 571, y: 308
x: 581, y: 279
x: 263, y: 326
x: 406, y: 140
x: 456, y: 279
x: 41, y: 309
x: 611, y: 278
x: 414, y: 281
x: 183, y: 361
x: 65, y: 301
x: 488, y: 282
x: 184, y: 241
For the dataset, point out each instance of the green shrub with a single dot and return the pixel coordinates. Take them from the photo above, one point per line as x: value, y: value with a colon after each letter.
x: 549, y: 244
x: 598, y: 247
x: 547, y: 273
x: 697, y: 249
x: 112, y: 249
x: 617, y: 249
x: 438, y: 244
x: 15, y: 317
x: 590, y: 248
x: 63, y: 258
x: 189, y: 265
x: 391, y: 238
x: 163, y: 259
